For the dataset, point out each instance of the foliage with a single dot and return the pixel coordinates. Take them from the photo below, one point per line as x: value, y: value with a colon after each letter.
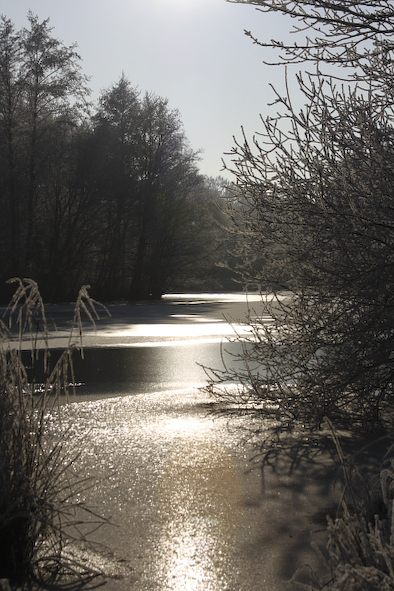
x: 106, y: 194
x: 39, y: 511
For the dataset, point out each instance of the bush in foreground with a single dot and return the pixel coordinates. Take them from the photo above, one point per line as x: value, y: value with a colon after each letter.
x: 39, y: 513
x: 361, y: 535
x: 313, y: 215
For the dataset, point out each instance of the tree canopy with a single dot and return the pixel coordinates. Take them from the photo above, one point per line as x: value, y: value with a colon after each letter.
x: 107, y: 194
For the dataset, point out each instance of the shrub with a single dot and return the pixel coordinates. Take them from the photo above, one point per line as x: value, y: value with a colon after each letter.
x: 39, y: 513
x: 361, y: 535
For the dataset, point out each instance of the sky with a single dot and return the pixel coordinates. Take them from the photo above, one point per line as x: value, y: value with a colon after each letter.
x: 192, y: 52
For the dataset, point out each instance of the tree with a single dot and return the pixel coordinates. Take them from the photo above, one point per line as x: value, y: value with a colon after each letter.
x: 347, y: 33
x: 168, y: 173
x: 315, y: 201
x: 202, y: 262
x: 148, y: 186
x: 114, y: 199
x: 66, y: 221
x: 10, y: 54
x: 40, y: 86
x: 115, y: 140
x: 51, y: 83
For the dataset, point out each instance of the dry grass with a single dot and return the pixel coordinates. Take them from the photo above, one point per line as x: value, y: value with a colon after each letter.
x: 360, y: 548
x: 39, y: 513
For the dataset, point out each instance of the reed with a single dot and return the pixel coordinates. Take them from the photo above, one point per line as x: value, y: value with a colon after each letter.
x: 39, y: 511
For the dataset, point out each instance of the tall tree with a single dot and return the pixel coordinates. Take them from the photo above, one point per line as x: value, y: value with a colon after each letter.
x: 147, y: 173
x: 51, y: 81
x: 116, y: 126
x: 41, y: 106
x: 167, y: 171
x: 10, y: 89
x: 66, y: 221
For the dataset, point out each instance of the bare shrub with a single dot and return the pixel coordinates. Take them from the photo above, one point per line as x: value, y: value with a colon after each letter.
x: 39, y: 513
x: 361, y: 535
x: 313, y: 214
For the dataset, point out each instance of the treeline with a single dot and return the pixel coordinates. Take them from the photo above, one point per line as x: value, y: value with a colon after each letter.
x: 108, y: 195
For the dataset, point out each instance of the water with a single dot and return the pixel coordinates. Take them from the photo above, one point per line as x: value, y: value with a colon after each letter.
x: 189, y: 513
x: 125, y: 370
x: 174, y: 482
x: 153, y: 347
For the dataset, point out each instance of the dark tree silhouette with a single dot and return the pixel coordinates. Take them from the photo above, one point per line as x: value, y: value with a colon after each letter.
x: 113, y: 198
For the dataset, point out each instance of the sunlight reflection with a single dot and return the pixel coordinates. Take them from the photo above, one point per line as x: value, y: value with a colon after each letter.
x: 180, y: 425
x: 195, y: 318
x: 191, y: 565
x: 201, y: 504
x: 197, y: 298
x: 199, y: 329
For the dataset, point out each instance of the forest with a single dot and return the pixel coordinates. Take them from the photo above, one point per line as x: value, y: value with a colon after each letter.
x: 106, y: 194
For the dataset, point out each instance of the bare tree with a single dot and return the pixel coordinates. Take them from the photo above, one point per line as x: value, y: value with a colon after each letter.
x: 346, y: 33
x: 313, y: 216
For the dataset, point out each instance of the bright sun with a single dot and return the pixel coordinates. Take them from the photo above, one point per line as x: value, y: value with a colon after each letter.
x: 185, y: 4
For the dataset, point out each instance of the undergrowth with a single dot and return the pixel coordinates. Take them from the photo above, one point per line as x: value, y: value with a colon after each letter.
x: 360, y: 547
x: 39, y: 512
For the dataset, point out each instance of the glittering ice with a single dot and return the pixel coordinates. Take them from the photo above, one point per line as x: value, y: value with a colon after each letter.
x: 172, y: 478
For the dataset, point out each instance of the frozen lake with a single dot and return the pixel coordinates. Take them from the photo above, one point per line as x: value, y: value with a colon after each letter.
x: 189, y: 513
x: 155, y: 346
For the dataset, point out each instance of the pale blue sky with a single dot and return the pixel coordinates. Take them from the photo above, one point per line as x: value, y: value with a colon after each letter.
x: 194, y: 52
